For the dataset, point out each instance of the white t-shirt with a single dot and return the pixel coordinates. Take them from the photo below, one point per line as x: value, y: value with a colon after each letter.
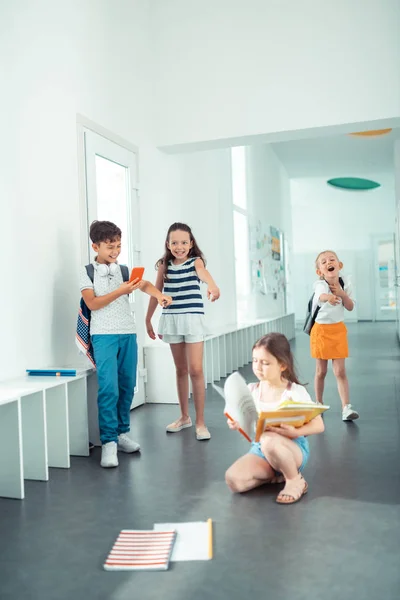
x: 115, y: 318
x: 296, y: 392
x: 329, y: 314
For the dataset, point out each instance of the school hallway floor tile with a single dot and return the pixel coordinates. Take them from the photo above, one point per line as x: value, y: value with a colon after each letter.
x: 341, y: 541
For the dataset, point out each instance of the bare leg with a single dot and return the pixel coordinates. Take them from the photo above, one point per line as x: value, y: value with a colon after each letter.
x: 321, y: 370
x: 339, y: 370
x: 182, y: 378
x: 285, y: 456
x: 248, y: 472
x: 195, y: 362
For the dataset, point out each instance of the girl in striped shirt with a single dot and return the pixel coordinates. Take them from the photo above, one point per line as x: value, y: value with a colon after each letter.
x: 182, y: 325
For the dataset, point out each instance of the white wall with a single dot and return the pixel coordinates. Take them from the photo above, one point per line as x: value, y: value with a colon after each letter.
x: 57, y: 60
x: 324, y: 217
x: 255, y: 67
x: 196, y: 188
x: 268, y: 201
x: 193, y: 189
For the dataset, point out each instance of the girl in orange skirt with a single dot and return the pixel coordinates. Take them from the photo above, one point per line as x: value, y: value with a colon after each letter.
x: 332, y: 295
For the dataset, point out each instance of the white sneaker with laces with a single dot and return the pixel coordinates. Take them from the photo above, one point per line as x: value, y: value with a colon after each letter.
x: 125, y: 444
x: 109, y: 456
x: 349, y: 414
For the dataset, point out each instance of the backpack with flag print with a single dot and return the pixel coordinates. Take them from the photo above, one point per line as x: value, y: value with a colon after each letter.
x: 82, y: 336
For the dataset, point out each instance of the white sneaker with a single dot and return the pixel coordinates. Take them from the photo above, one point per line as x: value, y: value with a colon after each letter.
x: 109, y: 456
x: 349, y: 414
x: 125, y: 444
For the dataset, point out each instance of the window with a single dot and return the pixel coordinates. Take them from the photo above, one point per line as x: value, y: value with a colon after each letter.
x: 112, y: 204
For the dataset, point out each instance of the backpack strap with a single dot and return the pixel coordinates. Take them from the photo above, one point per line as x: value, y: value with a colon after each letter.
x: 90, y: 272
x: 125, y: 272
x: 341, y: 282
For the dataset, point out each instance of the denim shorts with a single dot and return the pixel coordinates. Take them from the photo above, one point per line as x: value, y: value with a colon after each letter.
x: 301, y: 441
x: 178, y: 339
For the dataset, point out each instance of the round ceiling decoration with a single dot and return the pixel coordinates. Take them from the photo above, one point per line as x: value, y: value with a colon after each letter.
x: 372, y: 133
x: 353, y: 183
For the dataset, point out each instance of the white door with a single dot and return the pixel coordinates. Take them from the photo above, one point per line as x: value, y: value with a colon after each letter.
x: 385, y: 277
x: 112, y: 195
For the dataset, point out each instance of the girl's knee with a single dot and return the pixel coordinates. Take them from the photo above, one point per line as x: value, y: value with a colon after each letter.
x: 196, y: 372
x: 182, y: 371
x: 340, y: 372
x: 233, y: 482
x: 270, y: 443
x: 321, y: 372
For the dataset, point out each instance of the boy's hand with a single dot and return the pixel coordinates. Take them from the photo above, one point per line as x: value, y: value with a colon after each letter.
x: 150, y: 330
x: 130, y: 286
x: 213, y: 293
x: 333, y: 299
x: 164, y: 301
x: 286, y: 430
x: 233, y: 425
x: 337, y: 290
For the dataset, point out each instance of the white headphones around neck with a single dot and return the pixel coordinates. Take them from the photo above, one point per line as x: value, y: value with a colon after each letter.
x: 105, y: 270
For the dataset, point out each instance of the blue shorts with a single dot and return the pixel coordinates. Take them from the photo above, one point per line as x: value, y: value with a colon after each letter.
x: 301, y: 441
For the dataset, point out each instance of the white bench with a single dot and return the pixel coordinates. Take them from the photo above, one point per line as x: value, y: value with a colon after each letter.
x: 43, y: 420
x: 225, y: 351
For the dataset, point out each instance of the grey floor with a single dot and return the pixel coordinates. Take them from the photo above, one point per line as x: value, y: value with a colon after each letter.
x: 341, y: 541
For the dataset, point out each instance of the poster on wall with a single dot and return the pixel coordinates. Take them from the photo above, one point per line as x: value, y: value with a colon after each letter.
x: 275, y: 243
x: 267, y: 269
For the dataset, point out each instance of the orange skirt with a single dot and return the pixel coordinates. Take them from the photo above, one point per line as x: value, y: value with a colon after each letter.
x: 329, y: 341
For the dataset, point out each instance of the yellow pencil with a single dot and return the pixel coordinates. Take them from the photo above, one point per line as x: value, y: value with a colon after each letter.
x: 210, y: 539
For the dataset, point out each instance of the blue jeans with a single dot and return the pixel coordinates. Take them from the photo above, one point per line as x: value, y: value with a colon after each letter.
x: 116, y: 361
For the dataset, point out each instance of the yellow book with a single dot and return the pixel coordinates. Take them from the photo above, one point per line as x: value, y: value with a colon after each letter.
x: 240, y: 407
x: 289, y: 412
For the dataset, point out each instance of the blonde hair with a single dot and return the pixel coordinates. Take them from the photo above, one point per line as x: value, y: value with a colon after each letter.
x: 324, y: 252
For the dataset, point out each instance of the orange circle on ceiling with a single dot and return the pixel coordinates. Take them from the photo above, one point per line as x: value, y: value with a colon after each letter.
x: 372, y: 133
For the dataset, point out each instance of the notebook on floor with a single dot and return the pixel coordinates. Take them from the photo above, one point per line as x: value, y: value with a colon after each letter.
x: 136, y: 550
x: 194, y: 541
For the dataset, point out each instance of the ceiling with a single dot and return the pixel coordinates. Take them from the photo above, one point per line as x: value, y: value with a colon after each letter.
x: 338, y: 155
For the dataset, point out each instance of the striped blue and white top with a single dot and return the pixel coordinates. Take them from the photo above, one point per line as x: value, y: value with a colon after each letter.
x: 183, y: 285
x: 185, y: 316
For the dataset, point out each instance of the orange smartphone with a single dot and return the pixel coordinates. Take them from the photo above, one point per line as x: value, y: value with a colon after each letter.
x: 137, y: 273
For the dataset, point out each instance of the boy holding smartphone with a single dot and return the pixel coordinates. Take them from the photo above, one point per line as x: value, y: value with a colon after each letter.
x: 113, y: 336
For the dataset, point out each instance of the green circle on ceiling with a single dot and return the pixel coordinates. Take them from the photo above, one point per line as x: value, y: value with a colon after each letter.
x: 353, y: 183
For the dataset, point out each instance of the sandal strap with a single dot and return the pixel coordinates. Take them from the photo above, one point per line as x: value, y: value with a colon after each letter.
x: 295, y: 489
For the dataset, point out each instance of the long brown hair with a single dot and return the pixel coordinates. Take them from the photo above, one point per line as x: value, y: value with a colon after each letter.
x: 194, y: 250
x: 278, y: 345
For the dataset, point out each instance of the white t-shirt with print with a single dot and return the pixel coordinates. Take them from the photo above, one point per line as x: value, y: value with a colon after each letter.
x: 329, y: 314
x: 115, y: 318
x: 296, y: 392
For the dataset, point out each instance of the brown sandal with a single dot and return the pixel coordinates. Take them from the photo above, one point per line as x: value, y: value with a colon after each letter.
x: 293, y: 491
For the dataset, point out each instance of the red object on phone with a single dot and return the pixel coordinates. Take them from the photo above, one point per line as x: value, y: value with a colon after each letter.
x: 137, y: 273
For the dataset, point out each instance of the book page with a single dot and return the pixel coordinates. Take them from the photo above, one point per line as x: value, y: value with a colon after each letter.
x: 239, y: 404
x: 192, y: 540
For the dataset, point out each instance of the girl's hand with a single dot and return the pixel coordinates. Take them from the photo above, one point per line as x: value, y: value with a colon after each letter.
x: 150, y: 330
x: 164, y: 301
x: 130, y: 286
x: 213, y: 293
x: 337, y: 290
x: 286, y: 430
x: 333, y: 299
x: 233, y: 425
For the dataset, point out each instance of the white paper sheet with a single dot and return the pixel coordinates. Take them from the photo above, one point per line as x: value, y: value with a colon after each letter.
x: 192, y: 540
